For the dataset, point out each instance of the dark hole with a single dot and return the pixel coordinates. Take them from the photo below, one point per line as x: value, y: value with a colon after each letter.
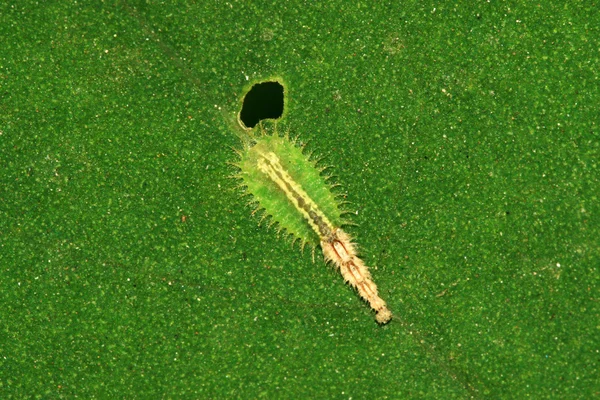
x: 264, y: 100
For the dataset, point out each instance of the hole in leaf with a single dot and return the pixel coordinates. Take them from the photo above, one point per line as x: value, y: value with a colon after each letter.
x: 264, y: 100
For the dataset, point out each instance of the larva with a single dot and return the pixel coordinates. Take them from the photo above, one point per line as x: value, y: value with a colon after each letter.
x: 291, y: 189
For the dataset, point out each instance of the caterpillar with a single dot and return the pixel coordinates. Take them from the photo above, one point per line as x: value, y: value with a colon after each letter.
x: 290, y: 188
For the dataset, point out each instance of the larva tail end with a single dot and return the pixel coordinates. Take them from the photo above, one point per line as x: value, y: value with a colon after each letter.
x: 383, y: 316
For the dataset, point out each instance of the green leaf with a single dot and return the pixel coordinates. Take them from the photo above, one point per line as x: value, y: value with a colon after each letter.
x: 466, y: 138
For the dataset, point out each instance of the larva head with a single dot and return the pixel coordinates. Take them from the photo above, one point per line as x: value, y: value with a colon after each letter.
x: 289, y: 187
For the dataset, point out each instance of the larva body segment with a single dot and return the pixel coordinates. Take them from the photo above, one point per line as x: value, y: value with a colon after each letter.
x: 339, y: 249
x: 292, y: 191
x: 303, y: 175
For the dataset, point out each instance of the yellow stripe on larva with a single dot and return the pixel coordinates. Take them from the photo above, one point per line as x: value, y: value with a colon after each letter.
x: 269, y: 164
x: 336, y: 244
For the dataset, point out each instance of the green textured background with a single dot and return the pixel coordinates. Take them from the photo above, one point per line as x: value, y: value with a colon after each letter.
x: 465, y: 135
